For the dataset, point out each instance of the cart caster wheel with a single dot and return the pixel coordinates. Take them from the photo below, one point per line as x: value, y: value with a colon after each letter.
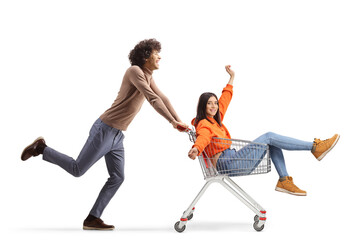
x: 178, y: 229
x: 257, y: 228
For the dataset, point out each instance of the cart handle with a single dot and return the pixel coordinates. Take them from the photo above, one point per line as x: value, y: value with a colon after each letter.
x: 191, y: 133
x: 183, y: 129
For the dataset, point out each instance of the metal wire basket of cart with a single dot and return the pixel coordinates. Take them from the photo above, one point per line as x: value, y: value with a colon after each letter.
x: 240, y: 158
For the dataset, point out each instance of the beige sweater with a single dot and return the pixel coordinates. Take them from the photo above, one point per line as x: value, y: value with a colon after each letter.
x: 137, y: 85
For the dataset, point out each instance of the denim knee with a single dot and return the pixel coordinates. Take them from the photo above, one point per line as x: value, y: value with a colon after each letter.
x: 76, y: 172
x: 269, y: 135
x: 116, y: 180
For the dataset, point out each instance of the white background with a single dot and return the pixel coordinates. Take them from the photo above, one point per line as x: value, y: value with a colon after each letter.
x: 61, y: 66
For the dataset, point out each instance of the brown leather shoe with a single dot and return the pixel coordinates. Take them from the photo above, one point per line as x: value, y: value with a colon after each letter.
x: 34, y: 149
x: 97, y: 224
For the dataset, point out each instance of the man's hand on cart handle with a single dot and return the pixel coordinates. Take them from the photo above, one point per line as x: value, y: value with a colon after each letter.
x: 181, y: 127
x: 193, y: 153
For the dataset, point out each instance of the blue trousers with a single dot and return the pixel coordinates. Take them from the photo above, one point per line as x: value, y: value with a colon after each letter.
x: 105, y: 141
x: 276, y: 143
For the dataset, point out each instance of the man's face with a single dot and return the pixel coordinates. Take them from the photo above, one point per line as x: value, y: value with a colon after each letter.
x: 152, y: 63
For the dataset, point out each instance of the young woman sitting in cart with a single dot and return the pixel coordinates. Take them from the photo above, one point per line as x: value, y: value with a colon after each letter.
x: 208, y: 124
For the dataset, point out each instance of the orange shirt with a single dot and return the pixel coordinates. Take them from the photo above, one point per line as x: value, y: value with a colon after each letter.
x: 207, y: 129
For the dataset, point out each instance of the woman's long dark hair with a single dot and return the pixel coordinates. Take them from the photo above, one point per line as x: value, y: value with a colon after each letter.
x: 201, y: 109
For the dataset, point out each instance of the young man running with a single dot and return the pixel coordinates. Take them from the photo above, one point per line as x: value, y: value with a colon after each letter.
x: 106, y: 135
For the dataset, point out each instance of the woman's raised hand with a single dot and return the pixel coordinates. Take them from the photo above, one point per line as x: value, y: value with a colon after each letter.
x: 231, y: 73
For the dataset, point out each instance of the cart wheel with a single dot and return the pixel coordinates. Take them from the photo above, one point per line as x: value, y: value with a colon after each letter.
x: 257, y: 228
x: 180, y: 230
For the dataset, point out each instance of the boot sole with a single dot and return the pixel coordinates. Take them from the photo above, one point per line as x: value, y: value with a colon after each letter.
x: 286, y: 191
x: 95, y: 228
x: 327, y: 151
x: 39, y: 138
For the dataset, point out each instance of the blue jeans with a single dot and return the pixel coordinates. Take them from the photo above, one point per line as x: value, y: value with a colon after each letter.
x: 276, y: 143
x: 105, y: 141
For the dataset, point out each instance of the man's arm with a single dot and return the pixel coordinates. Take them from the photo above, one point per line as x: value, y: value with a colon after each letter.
x: 165, y: 100
x: 168, y: 105
x: 137, y: 78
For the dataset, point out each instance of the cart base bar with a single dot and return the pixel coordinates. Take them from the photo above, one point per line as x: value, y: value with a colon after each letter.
x: 226, y: 182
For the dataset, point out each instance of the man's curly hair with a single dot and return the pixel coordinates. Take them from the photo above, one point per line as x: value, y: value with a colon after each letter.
x: 143, y: 51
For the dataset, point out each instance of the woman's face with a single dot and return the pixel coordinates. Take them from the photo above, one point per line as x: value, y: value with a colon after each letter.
x: 212, y: 107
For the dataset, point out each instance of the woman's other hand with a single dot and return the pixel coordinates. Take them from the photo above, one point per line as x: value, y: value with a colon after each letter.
x: 193, y: 153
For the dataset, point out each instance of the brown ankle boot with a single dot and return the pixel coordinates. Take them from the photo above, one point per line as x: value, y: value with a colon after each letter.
x: 34, y: 149
x: 287, y: 185
x: 94, y: 223
x: 321, y: 148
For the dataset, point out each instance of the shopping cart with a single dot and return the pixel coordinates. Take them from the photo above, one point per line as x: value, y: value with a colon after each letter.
x: 245, y: 158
